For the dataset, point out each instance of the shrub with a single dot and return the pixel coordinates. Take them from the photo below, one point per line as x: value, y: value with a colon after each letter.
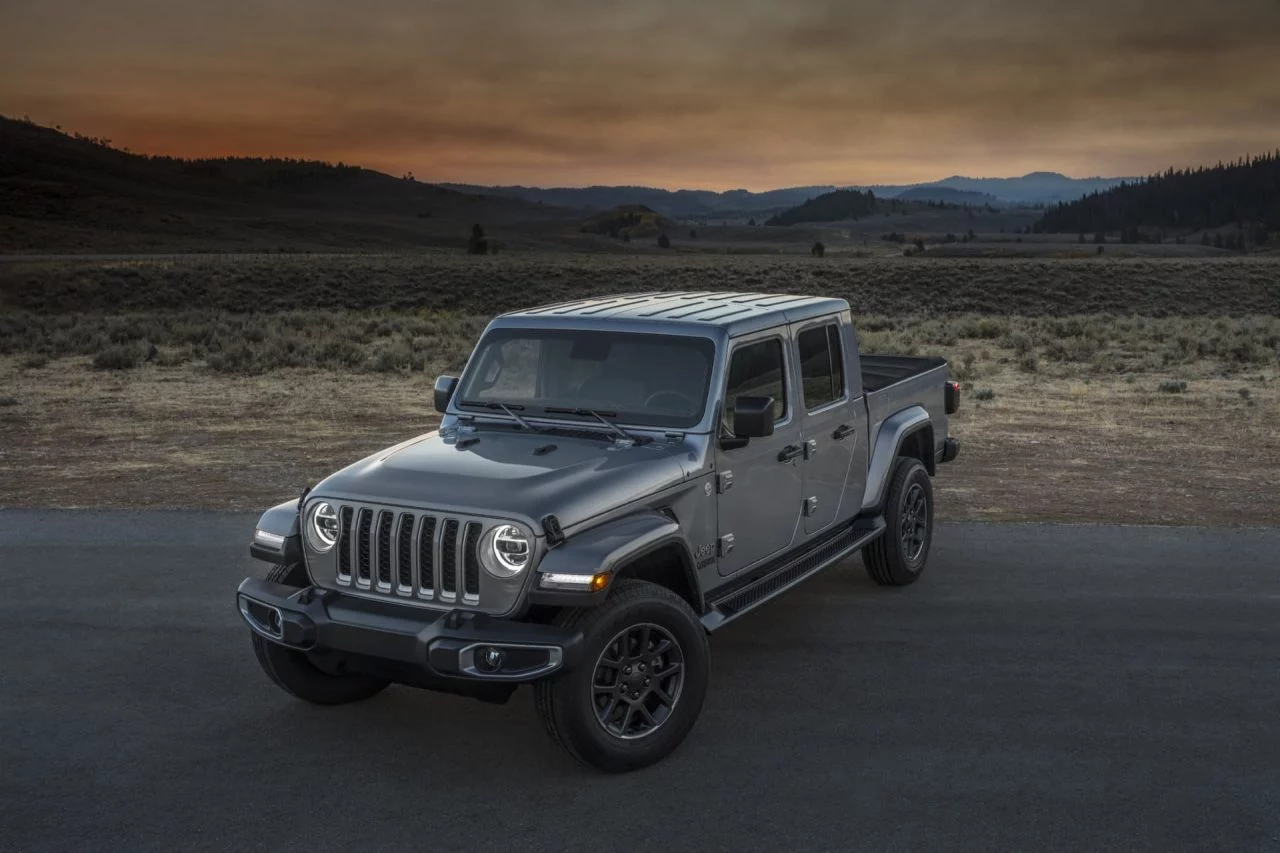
x: 1077, y: 348
x: 989, y: 329
x: 117, y: 357
x: 238, y: 358
x: 1173, y: 386
x: 393, y: 357
x: 8, y: 401
x: 1029, y: 363
x: 984, y: 394
x: 33, y: 362
x: 1244, y: 393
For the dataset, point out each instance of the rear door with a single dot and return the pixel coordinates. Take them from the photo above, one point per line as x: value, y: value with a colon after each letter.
x: 758, y: 508
x: 833, y: 419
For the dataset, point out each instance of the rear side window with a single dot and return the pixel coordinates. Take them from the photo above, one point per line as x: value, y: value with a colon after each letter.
x: 756, y: 370
x: 821, y: 365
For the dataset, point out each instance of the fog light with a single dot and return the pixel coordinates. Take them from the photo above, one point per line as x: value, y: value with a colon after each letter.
x: 489, y: 659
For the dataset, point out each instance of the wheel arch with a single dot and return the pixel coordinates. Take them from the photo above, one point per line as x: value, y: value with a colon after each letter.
x: 905, y: 433
x: 647, y: 545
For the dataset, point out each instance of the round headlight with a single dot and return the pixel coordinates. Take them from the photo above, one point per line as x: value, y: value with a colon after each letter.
x: 505, y: 551
x: 322, y: 528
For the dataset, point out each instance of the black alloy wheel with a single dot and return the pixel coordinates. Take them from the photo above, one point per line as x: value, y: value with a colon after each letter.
x: 638, y: 680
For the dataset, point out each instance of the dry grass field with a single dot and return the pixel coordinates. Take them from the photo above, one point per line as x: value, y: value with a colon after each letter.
x: 1094, y: 391
x: 454, y: 281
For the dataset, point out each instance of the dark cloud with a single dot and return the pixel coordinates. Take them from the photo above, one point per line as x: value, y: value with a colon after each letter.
x: 714, y: 93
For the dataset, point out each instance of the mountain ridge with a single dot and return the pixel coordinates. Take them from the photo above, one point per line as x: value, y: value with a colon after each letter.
x: 1033, y: 188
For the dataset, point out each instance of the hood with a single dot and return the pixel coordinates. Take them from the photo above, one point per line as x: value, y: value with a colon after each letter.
x: 496, y: 472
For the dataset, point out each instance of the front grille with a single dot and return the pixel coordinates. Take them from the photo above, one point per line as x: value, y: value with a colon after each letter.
x: 419, y: 556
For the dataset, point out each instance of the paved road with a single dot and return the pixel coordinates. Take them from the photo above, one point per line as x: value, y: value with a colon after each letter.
x: 1043, y: 688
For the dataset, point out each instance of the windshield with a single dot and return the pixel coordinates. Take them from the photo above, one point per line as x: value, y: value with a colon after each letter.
x: 654, y: 380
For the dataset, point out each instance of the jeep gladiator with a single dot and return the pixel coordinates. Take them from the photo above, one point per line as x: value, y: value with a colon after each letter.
x: 612, y: 481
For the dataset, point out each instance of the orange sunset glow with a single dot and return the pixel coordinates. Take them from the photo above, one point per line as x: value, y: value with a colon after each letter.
x: 715, y: 93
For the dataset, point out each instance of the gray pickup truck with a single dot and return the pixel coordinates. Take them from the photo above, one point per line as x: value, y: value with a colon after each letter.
x: 613, y: 480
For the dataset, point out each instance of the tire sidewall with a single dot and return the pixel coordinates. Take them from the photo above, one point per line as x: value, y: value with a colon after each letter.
x: 908, y: 473
x: 576, y: 709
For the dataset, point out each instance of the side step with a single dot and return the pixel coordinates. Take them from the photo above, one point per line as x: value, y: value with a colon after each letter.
x: 789, y: 571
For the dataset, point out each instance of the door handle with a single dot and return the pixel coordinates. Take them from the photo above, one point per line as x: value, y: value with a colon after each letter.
x: 791, y: 451
x: 842, y: 431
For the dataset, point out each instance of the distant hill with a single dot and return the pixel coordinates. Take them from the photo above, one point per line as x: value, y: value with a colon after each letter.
x: 1244, y: 195
x: 627, y: 222
x: 1030, y: 189
x: 829, y: 207
x: 949, y: 195
x: 63, y: 193
x: 682, y: 204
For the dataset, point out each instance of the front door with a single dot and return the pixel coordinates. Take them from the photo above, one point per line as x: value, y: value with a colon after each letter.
x: 759, y: 502
x: 835, y: 460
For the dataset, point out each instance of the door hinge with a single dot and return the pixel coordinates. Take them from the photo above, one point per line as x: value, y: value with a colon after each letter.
x: 811, y: 506
x: 811, y: 448
x: 724, y: 482
x: 725, y: 545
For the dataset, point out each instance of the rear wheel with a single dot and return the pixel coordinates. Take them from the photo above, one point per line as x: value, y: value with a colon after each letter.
x: 641, y: 684
x: 304, y: 674
x: 898, y: 557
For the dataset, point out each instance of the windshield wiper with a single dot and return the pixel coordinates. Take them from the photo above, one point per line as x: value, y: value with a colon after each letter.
x: 602, y: 417
x: 510, y: 409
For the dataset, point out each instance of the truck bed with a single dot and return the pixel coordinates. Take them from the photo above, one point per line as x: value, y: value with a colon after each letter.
x: 881, y: 371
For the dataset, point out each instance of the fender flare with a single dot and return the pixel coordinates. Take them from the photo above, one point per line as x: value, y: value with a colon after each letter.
x: 893, y: 432
x: 280, y: 520
x: 609, y: 547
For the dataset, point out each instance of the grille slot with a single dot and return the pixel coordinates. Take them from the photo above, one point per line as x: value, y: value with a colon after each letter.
x: 427, y: 557
x: 364, y: 521
x: 344, y: 546
x: 471, y: 562
x: 385, y: 520
x: 449, y: 559
x: 404, y: 554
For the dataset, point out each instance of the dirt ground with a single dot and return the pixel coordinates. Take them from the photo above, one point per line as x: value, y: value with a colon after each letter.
x: 1101, y: 449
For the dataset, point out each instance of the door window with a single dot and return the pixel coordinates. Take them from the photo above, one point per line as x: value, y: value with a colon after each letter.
x: 821, y: 365
x: 756, y: 370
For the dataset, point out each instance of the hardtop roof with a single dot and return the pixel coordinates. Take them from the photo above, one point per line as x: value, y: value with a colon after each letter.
x: 733, y: 313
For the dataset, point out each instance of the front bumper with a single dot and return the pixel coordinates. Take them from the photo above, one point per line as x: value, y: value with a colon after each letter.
x: 454, y: 644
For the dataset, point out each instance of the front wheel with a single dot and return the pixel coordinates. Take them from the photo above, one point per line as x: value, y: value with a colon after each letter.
x: 302, y: 674
x: 898, y: 557
x: 642, y: 681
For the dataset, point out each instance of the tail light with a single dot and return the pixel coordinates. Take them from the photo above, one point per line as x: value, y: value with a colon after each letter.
x: 952, y: 395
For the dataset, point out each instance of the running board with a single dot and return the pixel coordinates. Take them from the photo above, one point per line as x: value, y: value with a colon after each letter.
x: 790, y: 571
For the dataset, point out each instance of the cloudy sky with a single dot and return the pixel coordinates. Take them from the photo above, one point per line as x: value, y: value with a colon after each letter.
x: 707, y: 93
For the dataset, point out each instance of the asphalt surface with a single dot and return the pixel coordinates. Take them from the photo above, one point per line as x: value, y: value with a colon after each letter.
x: 1042, y: 688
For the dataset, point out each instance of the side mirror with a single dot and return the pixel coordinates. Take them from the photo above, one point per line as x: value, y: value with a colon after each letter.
x: 752, y: 417
x: 445, y: 386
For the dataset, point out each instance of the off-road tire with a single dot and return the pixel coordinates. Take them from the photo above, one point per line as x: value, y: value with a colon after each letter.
x: 293, y: 671
x: 566, y: 703
x: 888, y: 559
